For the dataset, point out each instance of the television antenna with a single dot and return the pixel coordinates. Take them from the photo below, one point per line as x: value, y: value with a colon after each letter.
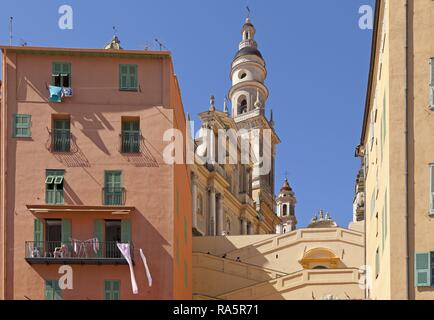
x: 161, y: 46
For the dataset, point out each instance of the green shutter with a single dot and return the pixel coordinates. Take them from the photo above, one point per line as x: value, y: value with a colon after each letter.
x: 98, y: 230
x: 386, y: 213
x: 54, y: 191
x: 49, y: 290
x: 125, y: 231
x: 56, y: 68
x: 377, y: 263
x: 38, y: 234
x: 128, y: 77
x: 422, y: 270
x: 113, y: 194
x: 21, y: 126
x: 98, y: 233
x: 431, y: 86
x: 107, y: 290
x: 431, y: 195
x: 52, y: 290
x: 66, y: 231
x: 57, y: 294
x: 111, y: 289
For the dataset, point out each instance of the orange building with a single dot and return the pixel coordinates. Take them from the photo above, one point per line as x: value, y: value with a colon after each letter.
x: 82, y: 169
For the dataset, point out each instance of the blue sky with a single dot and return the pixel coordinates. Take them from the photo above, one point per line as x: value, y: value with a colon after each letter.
x: 317, y: 60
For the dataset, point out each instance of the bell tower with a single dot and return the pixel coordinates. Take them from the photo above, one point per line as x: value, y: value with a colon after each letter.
x: 285, y: 203
x: 248, y: 96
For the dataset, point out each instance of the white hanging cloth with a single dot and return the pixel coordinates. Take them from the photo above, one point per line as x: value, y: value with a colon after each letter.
x: 124, y: 248
x: 148, y: 273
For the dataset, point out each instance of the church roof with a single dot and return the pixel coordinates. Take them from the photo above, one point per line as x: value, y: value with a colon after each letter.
x: 247, y: 51
x: 286, y: 186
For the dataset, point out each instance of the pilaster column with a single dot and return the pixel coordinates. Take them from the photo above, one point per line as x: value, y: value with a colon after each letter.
x: 220, y: 215
x: 212, y: 212
x: 194, y: 199
x: 244, y: 226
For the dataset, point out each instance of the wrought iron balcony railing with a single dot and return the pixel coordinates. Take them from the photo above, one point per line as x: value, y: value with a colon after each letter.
x: 113, y: 196
x: 80, y: 252
x: 130, y: 141
x: 61, y: 140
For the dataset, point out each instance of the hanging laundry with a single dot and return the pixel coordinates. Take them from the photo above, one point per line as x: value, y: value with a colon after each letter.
x: 95, y: 245
x: 124, y: 248
x: 55, y: 94
x: 66, y: 92
x: 148, y: 273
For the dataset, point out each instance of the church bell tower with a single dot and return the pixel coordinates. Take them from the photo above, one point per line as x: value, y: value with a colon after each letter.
x: 248, y: 96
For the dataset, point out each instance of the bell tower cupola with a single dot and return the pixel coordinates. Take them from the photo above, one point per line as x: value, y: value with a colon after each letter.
x: 248, y: 93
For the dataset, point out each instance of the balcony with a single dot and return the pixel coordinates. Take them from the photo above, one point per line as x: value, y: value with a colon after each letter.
x: 130, y: 142
x: 74, y: 252
x: 61, y: 140
x: 114, y: 196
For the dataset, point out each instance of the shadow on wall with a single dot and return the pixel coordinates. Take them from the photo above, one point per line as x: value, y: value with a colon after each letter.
x: 143, y: 159
x: 88, y: 280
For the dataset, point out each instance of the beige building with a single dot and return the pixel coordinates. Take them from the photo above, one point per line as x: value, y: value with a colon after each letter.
x: 319, y: 262
x: 397, y: 154
x: 231, y: 199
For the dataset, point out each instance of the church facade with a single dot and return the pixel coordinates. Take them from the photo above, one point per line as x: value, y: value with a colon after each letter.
x: 234, y: 198
x: 247, y: 245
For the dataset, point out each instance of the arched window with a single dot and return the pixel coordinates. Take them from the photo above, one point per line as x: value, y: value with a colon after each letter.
x: 320, y: 267
x: 242, y: 105
x: 285, y: 210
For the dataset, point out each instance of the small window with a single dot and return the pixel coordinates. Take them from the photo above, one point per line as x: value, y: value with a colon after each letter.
x: 242, y: 74
x: 131, y: 136
x: 61, y: 74
x: 54, y: 186
x: 21, y: 126
x: 112, y: 289
x: 113, y: 190
x: 128, y: 77
x: 61, y: 137
x: 52, y: 290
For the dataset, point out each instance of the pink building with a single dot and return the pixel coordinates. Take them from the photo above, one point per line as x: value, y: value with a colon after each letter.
x: 82, y: 169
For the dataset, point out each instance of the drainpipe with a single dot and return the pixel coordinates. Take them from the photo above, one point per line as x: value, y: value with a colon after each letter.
x: 406, y: 121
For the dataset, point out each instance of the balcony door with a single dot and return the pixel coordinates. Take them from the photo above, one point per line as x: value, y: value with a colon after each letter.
x: 53, y: 235
x: 113, y: 234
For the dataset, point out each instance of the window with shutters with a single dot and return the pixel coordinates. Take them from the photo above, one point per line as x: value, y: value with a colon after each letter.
x: 431, y: 193
x: 61, y: 136
x: 113, y: 190
x: 431, y: 84
x: 21, y: 126
x: 112, y: 289
x: 54, y: 181
x: 61, y: 74
x: 128, y: 77
x: 372, y: 203
x: 130, y: 136
x: 377, y: 263
x: 52, y: 290
x: 423, y: 266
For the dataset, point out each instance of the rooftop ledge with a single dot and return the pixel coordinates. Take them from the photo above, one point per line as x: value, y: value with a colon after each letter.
x: 46, y: 208
x: 85, y: 51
